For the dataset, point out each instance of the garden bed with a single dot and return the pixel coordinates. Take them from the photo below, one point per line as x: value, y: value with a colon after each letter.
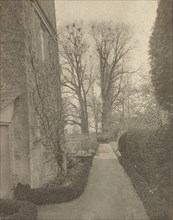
x: 16, y: 210
x: 60, y: 190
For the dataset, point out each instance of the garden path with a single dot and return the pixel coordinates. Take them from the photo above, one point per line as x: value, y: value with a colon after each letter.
x: 109, y: 194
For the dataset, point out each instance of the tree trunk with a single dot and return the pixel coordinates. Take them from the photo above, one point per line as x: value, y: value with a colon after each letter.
x: 84, y: 126
x: 106, y: 115
x: 96, y: 125
x: 84, y: 116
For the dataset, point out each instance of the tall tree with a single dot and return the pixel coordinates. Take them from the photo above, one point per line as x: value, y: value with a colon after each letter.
x: 161, y: 55
x: 112, y: 43
x: 76, y: 77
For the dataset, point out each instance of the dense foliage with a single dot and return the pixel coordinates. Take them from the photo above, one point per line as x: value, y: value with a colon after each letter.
x: 15, y: 210
x: 161, y: 55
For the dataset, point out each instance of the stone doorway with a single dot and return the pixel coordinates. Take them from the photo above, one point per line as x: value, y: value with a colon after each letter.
x: 5, y: 162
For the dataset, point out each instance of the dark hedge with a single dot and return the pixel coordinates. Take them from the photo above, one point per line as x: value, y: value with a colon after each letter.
x: 149, y: 152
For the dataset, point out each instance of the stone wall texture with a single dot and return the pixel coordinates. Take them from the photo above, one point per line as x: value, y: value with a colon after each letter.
x: 13, y: 76
x: 28, y: 50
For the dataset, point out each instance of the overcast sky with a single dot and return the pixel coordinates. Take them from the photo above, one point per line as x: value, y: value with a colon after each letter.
x: 139, y: 14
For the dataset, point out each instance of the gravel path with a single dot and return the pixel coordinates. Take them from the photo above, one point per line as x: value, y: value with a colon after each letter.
x: 109, y: 194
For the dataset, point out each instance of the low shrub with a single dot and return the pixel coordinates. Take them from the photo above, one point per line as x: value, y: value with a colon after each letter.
x: 74, y: 164
x: 16, y: 210
x: 72, y: 161
x: 103, y: 138
x: 56, y: 195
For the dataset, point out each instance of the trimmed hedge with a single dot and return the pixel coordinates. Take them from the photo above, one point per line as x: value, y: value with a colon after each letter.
x: 149, y: 153
x: 62, y: 194
x: 16, y: 210
x: 131, y: 143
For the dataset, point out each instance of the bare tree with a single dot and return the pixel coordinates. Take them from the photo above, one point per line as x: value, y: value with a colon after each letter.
x: 148, y: 107
x: 138, y: 101
x: 77, y: 78
x: 112, y: 44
